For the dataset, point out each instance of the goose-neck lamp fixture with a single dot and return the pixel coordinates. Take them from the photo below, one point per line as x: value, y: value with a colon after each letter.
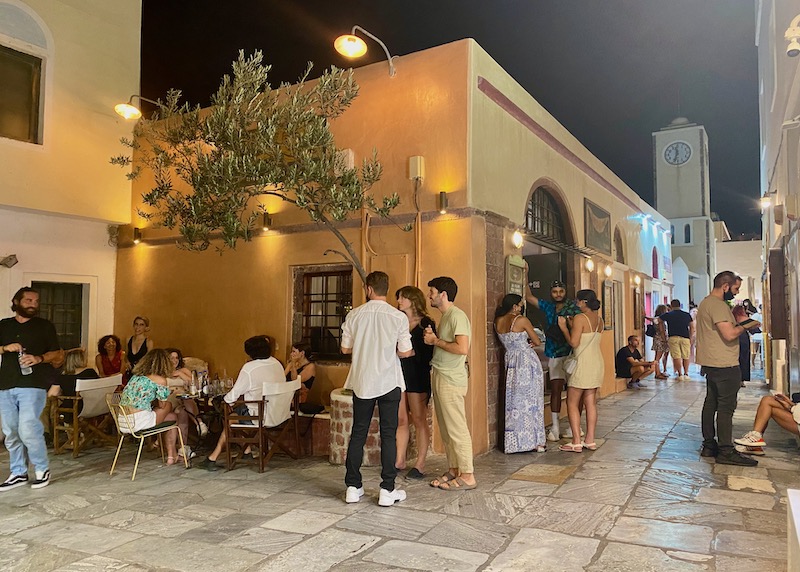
x: 130, y: 111
x: 351, y: 46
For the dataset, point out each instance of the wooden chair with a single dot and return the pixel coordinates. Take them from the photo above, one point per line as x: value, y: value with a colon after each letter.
x: 124, y: 422
x: 88, y: 414
x: 271, y: 425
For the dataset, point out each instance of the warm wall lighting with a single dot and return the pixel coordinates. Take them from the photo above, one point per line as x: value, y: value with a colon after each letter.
x: 765, y: 202
x: 130, y: 111
x: 590, y: 265
x: 442, y: 202
x: 266, y: 222
x: 517, y: 239
x: 351, y: 46
x: 608, y: 271
x: 137, y: 235
x: 637, y: 280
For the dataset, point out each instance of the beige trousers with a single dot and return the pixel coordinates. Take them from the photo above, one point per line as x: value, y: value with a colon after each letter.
x: 448, y: 402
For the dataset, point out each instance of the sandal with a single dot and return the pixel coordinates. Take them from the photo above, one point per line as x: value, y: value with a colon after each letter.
x: 448, y: 476
x: 590, y: 446
x: 457, y: 484
x: 171, y: 460
x: 571, y: 448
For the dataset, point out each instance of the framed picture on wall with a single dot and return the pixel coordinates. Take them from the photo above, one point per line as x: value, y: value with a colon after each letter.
x: 608, y: 305
x: 597, y: 227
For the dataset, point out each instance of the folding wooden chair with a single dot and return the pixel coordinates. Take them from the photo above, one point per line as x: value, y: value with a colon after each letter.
x: 84, y: 417
x: 270, y: 425
x: 125, y: 423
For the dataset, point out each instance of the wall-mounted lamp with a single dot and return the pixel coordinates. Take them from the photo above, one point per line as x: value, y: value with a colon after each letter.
x: 637, y: 280
x: 590, y: 265
x: 266, y: 221
x: 517, y: 239
x: 9, y: 261
x: 765, y: 202
x: 608, y: 271
x: 137, y: 235
x: 442, y: 202
x: 130, y: 111
x: 351, y: 46
x: 792, y: 36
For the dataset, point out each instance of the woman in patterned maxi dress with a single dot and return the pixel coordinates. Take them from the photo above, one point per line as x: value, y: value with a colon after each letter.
x: 524, y: 407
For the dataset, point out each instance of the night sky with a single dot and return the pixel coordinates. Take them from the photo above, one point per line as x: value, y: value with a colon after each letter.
x: 610, y: 71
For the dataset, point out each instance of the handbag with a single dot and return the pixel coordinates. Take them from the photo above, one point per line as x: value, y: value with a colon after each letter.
x: 650, y: 331
x: 571, y: 361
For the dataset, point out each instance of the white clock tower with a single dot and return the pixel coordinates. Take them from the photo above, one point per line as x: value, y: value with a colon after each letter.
x: 682, y: 194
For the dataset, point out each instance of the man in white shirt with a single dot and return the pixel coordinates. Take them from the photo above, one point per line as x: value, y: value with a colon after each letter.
x: 377, y: 335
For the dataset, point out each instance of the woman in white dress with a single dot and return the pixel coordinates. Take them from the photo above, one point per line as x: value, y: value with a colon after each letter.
x: 584, y: 336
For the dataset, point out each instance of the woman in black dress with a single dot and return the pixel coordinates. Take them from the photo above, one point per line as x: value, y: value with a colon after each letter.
x: 301, y: 365
x: 138, y: 344
x: 417, y: 375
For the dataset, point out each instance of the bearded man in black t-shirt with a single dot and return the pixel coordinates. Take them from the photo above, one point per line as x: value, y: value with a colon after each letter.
x: 30, y: 349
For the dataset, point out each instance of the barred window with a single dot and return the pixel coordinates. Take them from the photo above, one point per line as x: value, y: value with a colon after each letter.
x: 327, y: 297
x: 543, y: 216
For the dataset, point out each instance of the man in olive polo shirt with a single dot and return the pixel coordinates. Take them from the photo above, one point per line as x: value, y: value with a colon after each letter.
x: 718, y: 354
x: 449, y: 384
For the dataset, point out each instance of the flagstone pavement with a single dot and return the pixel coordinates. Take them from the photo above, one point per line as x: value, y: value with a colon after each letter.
x: 644, y: 500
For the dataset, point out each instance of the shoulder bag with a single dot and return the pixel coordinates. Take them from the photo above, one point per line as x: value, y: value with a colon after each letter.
x: 571, y: 361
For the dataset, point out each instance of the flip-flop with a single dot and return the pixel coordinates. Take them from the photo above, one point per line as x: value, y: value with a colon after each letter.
x: 590, y: 446
x: 457, y: 484
x: 571, y: 448
x: 448, y: 476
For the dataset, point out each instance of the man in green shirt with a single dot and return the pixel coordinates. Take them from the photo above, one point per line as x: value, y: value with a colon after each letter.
x: 449, y: 383
x: 718, y: 354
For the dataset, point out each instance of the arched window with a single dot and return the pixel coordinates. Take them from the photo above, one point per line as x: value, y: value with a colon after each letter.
x: 619, y: 247
x: 543, y: 215
x: 687, y: 233
x: 655, y: 263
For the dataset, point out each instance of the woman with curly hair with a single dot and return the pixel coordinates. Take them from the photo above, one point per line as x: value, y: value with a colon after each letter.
x: 110, y: 357
x: 147, y: 384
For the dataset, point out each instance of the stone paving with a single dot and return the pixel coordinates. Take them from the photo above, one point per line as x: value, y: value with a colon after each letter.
x: 645, y: 500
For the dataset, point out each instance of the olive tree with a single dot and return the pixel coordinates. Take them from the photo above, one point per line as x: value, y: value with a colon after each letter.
x: 253, y: 141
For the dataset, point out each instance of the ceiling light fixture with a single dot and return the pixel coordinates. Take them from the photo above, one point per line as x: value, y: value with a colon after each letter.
x: 351, y: 46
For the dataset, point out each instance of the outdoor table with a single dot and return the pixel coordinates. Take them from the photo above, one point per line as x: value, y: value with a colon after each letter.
x: 342, y: 426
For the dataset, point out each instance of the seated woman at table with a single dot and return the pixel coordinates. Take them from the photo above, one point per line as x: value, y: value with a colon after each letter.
x: 261, y: 368
x: 148, y: 382
x: 300, y: 365
x: 185, y: 409
x: 110, y: 357
x: 74, y: 369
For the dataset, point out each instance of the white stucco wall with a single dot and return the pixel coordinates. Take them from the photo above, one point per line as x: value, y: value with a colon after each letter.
x: 54, y: 248
x: 744, y: 258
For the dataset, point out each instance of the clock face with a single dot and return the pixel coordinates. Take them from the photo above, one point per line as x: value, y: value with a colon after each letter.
x: 677, y: 153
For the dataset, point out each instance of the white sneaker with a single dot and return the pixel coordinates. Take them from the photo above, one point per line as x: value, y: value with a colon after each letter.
x: 203, y: 428
x: 552, y: 436
x: 759, y: 451
x: 388, y: 498
x: 354, y: 494
x: 685, y: 378
x: 751, y: 439
x: 42, y: 479
x: 186, y: 452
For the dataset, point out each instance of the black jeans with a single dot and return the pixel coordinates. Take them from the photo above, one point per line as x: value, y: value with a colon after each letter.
x: 388, y: 406
x: 722, y: 387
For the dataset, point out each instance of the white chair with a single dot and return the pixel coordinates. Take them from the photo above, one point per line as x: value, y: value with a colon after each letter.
x: 274, y: 419
x: 89, y: 419
x: 125, y: 423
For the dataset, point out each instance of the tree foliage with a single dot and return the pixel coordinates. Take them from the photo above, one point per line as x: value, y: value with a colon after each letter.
x: 254, y: 141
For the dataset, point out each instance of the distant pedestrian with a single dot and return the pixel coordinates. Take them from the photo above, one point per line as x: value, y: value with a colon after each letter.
x: 660, y: 343
x: 630, y: 365
x: 680, y: 329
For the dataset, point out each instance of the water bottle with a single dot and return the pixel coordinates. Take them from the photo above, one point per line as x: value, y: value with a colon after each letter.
x: 24, y: 369
x: 204, y: 383
x: 193, y: 385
